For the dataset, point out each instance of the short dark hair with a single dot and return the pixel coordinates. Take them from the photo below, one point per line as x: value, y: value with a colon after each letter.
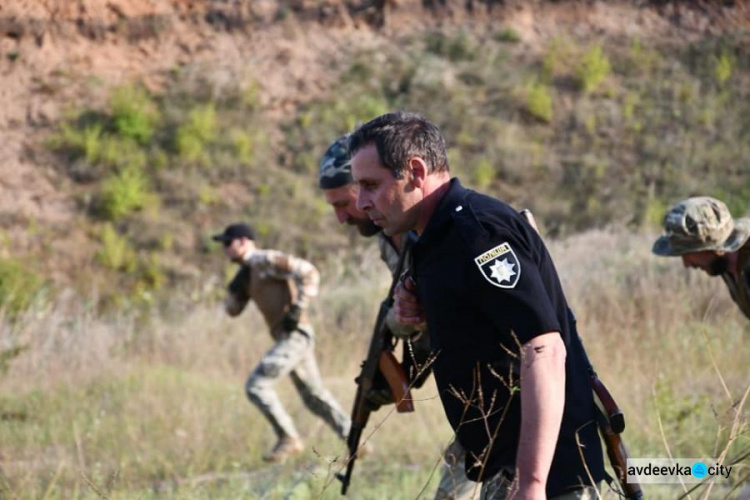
x: 400, y: 136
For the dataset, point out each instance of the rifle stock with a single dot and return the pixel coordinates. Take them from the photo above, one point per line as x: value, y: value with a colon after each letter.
x: 606, y: 404
x: 618, y: 458
x: 380, y: 358
x: 397, y: 381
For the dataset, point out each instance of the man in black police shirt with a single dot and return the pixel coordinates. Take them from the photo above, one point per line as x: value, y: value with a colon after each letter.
x: 499, y: 319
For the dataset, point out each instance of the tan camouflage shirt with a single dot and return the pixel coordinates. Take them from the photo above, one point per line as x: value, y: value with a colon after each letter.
x: 739, y: 286
x: 277, y: 281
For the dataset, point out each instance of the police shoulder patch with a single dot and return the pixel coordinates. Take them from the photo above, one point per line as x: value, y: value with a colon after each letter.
x: 500, y: 266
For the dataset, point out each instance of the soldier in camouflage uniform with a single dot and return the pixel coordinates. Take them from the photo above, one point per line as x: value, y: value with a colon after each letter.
x: 340, y: 191
x: 702, y: 231
x: 282, y: 286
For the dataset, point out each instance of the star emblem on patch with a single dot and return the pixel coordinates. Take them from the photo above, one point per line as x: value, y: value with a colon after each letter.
x: 500, y: 266
x: 502, y: 270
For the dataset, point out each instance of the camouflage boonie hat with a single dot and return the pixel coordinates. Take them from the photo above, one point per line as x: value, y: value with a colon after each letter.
x: 335, y: 167
x: 698, y: 224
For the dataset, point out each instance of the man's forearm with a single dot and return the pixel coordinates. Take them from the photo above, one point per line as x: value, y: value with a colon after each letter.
x: 542, y: 404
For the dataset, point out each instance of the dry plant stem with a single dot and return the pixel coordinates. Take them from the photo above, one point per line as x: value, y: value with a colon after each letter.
x: 585, y: 465
x: 53, y: 481
x: 737, y: 424
x: 738, y: 427
x: 740, y: 484
x: 664, y: 437
x: 715, y: 365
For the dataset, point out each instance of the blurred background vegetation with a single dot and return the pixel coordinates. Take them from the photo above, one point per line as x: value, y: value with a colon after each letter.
x: 587, y: 133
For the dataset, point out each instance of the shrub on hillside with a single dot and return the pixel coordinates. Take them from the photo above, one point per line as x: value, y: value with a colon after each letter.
x: 134, y: 116
x: 78, y: 142
x: 123, y: 193
x: 193, y: 137
x: 116, y: 252
x: 593, y: 70
x: 19, y: 285
x: 539, y: 102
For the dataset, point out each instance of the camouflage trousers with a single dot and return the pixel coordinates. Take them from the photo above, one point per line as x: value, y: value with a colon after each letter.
x: 294, y: 355
x: 454, y: 485
x: 498, y: 488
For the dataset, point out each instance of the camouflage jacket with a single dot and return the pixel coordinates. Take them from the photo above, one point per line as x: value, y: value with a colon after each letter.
x: 275, y: 281
x: 739, y: 286
x: 390, y: 255
x: 388, y: 252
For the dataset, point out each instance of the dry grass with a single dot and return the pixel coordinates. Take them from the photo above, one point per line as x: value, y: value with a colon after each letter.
x: 126, y: 406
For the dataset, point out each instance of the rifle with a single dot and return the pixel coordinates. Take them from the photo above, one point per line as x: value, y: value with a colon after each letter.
x: 611, y: 422
x: 380, y: 361
x: 610, y: 418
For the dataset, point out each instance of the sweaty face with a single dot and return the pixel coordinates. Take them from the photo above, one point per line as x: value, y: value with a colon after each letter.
x: 708, y: 261
x: 344, y: 202
x: 389, y: 202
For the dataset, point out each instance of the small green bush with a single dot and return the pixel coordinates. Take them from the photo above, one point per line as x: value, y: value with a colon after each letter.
x: 458, y: 47
x: 122, y: 153
x: 539, y: 102
x: 123, y: 192
x: 723, y: 69
x: 116, y: 252
x: 18, y: 286
x: 593, y: 70
x: 507, y: 35
x: 243, y: 146
x: 134, y: 116
x: 151, y: 276
x: 84, y: 143
x: 641, y: 61
x: 193, y: 137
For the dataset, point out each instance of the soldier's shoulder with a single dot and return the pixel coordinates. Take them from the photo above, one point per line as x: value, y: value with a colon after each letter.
x: 484, y: 214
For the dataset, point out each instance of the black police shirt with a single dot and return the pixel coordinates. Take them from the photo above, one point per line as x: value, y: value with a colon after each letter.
x: 487, y: 286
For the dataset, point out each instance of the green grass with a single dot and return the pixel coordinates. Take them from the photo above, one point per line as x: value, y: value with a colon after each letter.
x: 539, y: 102
x: 123, y: 192
x: 134, y: 406
x: 593, y: 69
x: 19, y: 286
x: 134, y: 115
x: 116, y: 252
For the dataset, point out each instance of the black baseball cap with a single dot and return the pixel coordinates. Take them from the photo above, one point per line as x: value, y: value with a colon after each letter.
x: 235, y: 231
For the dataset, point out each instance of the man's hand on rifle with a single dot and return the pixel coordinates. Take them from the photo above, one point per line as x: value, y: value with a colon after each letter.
x: 379, y: 394
x: 376, y: 398
x: 406, y: 308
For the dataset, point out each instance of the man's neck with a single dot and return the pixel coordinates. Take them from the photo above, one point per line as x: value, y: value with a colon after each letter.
x: 396, y: 239
x: 248, y: 250
x: 733, y: 259
x: 436, y: 187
